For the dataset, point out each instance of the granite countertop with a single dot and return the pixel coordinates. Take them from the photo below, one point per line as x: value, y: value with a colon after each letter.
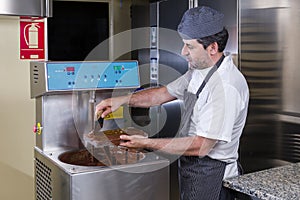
x: 279, y: 183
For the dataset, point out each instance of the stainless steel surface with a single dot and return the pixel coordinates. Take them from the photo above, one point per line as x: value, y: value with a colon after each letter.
x: 290, y: 64
x: 147, y: 179
x: 55, y: 113
x: 268, y: 59
x: 65, y: 116
x: 40, y: 8
x: 38, y: 85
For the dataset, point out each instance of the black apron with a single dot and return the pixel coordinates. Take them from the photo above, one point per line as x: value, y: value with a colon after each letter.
x: 200, y: 177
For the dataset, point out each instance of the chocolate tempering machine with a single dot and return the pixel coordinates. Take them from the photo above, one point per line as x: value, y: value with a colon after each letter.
x: 72, y: 161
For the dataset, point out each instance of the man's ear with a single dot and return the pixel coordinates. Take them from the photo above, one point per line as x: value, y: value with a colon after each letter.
x: 213, y: 48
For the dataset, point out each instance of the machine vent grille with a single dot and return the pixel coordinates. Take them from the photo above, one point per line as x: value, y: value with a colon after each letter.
x: 290, y: 138
x: 43, y: 181
x: 35, y: 74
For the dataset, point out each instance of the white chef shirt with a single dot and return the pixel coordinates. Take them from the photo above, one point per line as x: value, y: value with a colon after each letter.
x: 220, y: 111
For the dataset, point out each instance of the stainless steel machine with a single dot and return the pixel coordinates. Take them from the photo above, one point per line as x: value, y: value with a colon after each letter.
x: 71, y: 165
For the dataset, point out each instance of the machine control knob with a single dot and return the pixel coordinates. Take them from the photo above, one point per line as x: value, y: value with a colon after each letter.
x: 37, y: 128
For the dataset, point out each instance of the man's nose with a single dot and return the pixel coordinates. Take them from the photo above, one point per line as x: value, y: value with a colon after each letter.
x: 184, y: 51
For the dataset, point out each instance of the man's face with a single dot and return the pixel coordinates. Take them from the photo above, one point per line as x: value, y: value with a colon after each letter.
x: 196, y: 55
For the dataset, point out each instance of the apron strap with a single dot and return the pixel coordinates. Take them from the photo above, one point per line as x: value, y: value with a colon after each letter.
x: 210, y: 73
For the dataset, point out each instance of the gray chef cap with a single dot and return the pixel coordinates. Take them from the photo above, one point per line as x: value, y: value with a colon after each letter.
x: 200, y: 22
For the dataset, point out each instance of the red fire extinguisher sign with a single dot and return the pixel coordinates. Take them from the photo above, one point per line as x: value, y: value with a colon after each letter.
x: 32, y: 38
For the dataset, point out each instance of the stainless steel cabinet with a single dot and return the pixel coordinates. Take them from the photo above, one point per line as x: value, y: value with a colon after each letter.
x: 40, y: 8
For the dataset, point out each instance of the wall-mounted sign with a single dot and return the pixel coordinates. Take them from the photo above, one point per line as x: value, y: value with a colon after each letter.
x: 32, y: 38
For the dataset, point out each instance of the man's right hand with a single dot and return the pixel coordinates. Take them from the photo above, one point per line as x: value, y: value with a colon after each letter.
x: 110, y: 105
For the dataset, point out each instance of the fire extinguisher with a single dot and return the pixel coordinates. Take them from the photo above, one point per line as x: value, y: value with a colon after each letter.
x: 33, y: 39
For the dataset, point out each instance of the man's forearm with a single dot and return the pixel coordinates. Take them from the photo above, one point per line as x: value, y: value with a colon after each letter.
x: 150, y: 97
x: 189, y: 146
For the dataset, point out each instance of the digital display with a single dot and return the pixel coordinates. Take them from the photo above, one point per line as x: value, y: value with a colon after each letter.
x: 70, y: 69
x: 118, y: 67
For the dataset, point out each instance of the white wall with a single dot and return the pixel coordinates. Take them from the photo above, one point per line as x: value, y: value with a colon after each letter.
x: 16, y: 116
x: 17, y: 110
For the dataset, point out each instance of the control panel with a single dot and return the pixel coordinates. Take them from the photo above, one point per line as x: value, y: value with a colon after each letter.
x: 51, y: 76
x: 89, y: 75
